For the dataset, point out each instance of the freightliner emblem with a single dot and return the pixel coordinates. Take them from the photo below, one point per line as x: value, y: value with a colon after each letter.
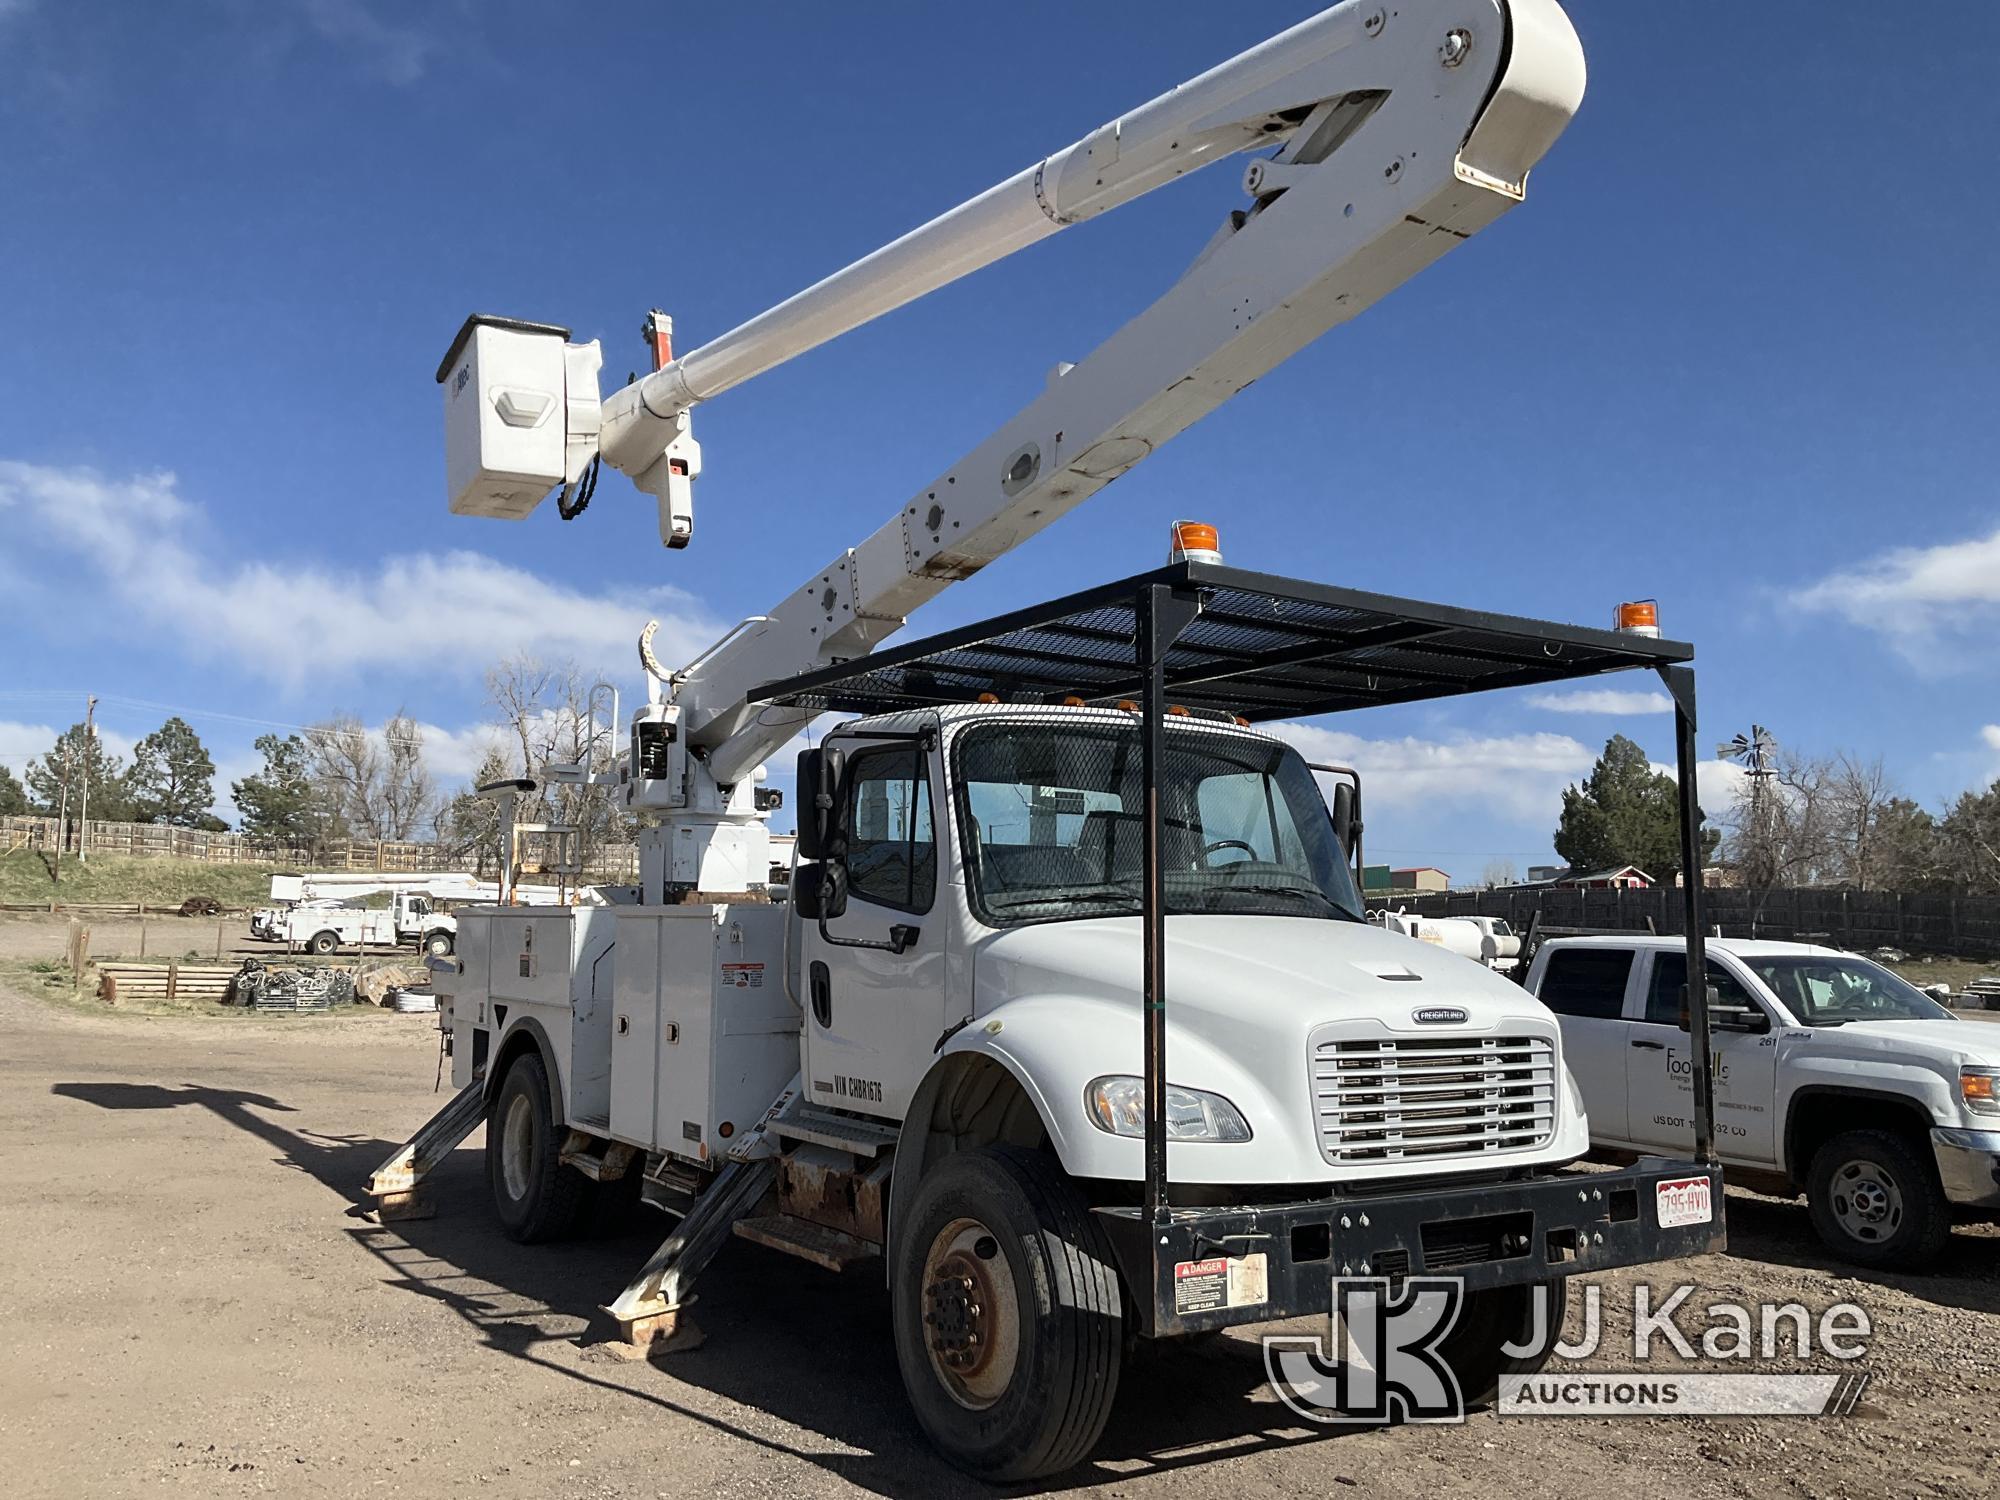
x: 1440, y: 1015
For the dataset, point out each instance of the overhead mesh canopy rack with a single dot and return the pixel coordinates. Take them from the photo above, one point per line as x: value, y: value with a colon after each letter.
x: 1262, y: 647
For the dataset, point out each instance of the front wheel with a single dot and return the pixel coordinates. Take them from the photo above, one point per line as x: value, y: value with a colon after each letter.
x: 1008, y: 1320
x: 438, y: 945
x: 1876, y: 1202
x: 1520, y: 1317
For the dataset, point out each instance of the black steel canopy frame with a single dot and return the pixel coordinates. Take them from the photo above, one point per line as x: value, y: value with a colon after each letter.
x: 1251, y: 646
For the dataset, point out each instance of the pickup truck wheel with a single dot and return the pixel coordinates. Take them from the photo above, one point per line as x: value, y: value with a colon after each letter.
x: 536, y: 1197
x: 324, y: 943
x: 1875, y: 1201
x: 1501, y: 1315
x: 1008, y: 1318
x: 438, y: 945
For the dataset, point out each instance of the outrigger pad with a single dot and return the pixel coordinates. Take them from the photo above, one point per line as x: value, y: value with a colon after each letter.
x: 414, y: 1204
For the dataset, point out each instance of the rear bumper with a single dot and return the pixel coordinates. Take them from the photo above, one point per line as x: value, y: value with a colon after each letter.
x: 1203, y: 1273
x: 1968, y: 1164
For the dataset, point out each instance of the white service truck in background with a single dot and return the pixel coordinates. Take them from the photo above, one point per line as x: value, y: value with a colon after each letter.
x: 1487, y: 940
x: 1833, y: 1077
x: 410, y: 919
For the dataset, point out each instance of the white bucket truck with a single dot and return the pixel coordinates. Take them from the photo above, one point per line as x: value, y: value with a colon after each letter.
x: 1072, y: 1022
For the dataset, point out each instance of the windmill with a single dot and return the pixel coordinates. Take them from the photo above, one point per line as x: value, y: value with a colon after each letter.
x: 1751, y: 751
x: 1755, y: 753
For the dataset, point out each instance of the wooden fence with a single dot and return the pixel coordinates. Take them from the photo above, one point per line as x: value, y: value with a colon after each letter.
x: 1920, y: 922
x: 612, y: 862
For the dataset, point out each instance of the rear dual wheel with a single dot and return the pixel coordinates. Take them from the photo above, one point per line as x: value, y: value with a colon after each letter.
x: 535, y: 1195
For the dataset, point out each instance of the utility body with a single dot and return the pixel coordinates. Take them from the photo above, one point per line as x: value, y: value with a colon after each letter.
x: 1069, y: 1019
x: 1833, y: 1077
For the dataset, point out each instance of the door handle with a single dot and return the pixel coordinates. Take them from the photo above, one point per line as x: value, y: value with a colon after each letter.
x: 1650, y: 1046
x: 822, y: 993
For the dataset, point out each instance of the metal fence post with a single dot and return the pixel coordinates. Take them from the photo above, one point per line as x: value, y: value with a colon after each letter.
x: 1680, y: 683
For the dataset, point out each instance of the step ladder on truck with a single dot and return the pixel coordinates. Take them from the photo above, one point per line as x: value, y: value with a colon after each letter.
x: 1071, y: 990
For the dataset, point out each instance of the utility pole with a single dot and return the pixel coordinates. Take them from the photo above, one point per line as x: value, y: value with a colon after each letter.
x: 62, y: 808
x: 89, y: 741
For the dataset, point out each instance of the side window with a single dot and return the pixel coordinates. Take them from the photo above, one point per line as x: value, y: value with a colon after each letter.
x: 891, y: 850
x: 1587, y: 982
x: 1663, y: 995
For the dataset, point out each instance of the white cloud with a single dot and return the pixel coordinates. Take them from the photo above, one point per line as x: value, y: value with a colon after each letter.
x: 1717, y: 785
x: 1518, y: 777
x: 287, y: 621
x: 1923, y: 600
x: 398, y: 53
x: 1991, y: 735
x: 1603, y: 701
x: 21, y: 743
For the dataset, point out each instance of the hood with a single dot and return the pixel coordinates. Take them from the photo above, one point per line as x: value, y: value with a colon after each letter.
x: 1226, y: 970
x: 1976, y: 1042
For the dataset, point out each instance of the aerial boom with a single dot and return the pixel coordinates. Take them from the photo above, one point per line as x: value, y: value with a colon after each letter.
x: 1397, y: 135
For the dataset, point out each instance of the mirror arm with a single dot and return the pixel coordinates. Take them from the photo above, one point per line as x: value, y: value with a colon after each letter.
x: 901, y: 937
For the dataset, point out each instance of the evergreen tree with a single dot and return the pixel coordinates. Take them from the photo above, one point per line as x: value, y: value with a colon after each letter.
x: 173, y: 778
x: 13, y: 799
x: 282, y: 801
x: 80, y: 762
x: 1625, y: 813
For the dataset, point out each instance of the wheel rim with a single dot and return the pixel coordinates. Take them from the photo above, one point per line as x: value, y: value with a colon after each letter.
x: 972, y: 1323
x: 1867, y: 1203
x: 517, y: 1137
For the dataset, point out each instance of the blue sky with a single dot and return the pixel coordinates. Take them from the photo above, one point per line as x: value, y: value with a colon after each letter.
x: 1736, y: 352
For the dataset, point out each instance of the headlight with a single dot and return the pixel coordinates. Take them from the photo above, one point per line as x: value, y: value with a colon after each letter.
x: 1980, y: 1089
x: 1117, y: 1106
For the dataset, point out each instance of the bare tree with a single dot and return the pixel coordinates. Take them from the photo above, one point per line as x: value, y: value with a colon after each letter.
x: 1499, y: 872
x: 1783, y: 829
x: 377, y: 782
x: 545, y: 713
x: 1858, y: 793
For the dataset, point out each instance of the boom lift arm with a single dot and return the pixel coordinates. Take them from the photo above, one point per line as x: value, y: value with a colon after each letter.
x: 1398, y: 134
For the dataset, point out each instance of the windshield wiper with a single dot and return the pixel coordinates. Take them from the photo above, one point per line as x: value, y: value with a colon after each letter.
x: 1070, y: 899
x: 1290, y: 890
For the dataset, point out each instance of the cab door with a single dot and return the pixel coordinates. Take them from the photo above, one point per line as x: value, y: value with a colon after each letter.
x: 874, y: 1016
x: 1659, y: 1067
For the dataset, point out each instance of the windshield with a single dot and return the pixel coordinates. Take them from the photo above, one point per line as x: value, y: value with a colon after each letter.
x: 1833, y: 990
x: 1052, y: 817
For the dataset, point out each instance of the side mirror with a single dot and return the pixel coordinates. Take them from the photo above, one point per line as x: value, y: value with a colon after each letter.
x: 1346, y: 817
x: 820, y: 774
x: 820, y: 890
x: 1744, y: 1018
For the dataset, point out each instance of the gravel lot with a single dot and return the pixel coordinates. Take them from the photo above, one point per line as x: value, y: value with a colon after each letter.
x: 196, y: 1305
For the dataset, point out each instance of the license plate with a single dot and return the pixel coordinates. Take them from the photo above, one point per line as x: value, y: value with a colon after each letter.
x: 1686, y: 1201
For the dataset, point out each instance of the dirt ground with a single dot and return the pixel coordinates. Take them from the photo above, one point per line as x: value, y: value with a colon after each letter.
x: 196, y: 1305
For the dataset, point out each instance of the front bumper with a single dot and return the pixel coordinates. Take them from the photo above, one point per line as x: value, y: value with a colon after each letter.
x: 1201, y: 1264
x: 1968, y: 1163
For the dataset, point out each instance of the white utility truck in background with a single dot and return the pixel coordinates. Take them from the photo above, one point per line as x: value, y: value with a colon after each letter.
x: 1072, y: 1020
x: 1833, y: 1078
x: 410, y: 919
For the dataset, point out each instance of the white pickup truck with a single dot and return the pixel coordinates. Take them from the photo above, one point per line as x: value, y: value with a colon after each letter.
x: 1832, y: 1076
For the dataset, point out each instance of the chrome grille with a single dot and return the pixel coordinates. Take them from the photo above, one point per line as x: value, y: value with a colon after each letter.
x: 1384, y: 1099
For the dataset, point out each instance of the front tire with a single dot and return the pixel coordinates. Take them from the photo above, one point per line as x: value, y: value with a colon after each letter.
x: 438, y: 945
x: 1876, y: 1202
x: 535, y: 1196
x: 1496, y: 1316
x: 1008, y: 1315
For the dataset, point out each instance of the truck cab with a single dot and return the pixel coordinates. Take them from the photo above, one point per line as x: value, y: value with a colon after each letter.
x: 985, y: 902
x: 1832, y: 1077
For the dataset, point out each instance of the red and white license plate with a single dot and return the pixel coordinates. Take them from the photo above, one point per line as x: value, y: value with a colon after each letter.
x: 1684, y: 1201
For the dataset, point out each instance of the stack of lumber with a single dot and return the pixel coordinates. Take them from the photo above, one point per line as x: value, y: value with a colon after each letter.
x: 169, y: 981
